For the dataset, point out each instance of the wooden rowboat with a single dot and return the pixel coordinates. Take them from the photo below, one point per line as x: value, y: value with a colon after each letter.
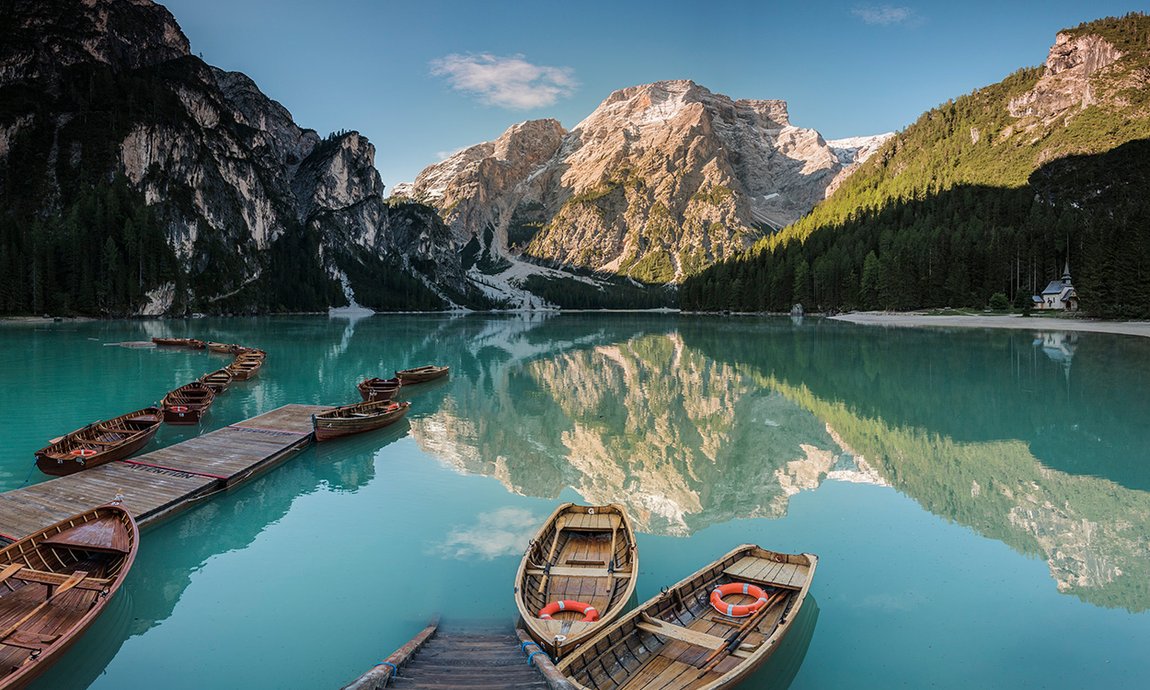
x: 100, y: 442
x: 171, y: 342
x: 353, y: 419
x: 378, y: 389
x: 55, y: 583
x: 421, y: 374
x: 195, y: 344
x: 226, y: 348
x: 187, y: 404
x: 244, y: 369
x: 582, y: 556
x: 218, y: 380
x: 681, y: 636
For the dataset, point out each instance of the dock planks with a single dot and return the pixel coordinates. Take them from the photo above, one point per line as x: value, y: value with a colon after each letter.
x: 488, y: 660
x: 159, y: 483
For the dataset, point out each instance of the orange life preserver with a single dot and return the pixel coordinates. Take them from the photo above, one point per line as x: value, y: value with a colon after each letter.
x: 83, y: 452
x: 590, y: 615
x: 179, y: 408
x: 739, y: 611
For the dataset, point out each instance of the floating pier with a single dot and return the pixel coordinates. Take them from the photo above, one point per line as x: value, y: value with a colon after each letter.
x: 491, y: 660
x: 164, y: 481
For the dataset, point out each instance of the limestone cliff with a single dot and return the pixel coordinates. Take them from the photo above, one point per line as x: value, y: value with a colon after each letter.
x: 658, y: 182
x: 245, y: 210
x: 1069, y: 77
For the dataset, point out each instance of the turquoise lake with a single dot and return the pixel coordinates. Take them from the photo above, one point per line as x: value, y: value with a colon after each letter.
x: 979, y: 500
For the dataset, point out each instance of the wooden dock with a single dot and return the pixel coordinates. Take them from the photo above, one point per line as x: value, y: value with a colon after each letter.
x: 164, y: 481
x: 492, y: 660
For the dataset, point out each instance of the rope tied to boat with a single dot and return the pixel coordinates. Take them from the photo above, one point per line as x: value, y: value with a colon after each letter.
x: 394, y: 668
x: 537, y: 651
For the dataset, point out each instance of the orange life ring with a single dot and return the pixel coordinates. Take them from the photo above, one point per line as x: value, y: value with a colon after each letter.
x: 179, y: 408
x: 83, y: 452
x: 739, y: 611
x: 590, y: 615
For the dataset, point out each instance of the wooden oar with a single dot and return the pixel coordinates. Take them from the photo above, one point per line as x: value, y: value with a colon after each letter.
x: 741, y: 632
x: 559, y: 524
x: 73, y: 580
x: 10, y: 570
x: 611, y: 564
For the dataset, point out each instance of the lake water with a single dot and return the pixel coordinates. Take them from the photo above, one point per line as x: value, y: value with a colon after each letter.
x: 979, y: 499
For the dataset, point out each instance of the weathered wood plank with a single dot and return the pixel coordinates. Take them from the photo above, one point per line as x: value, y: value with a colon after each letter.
x: 678, y: 632
x: 572, y: 571
x: 377, y: 677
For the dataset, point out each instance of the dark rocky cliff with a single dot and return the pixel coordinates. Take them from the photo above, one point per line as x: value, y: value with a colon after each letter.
x: 136, y: 179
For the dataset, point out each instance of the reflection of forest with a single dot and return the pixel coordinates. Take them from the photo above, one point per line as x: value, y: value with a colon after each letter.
x: 679, y: 440
x: 970, y: 429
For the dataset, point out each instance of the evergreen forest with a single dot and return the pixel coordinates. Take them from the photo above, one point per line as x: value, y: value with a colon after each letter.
x: 971, y: 201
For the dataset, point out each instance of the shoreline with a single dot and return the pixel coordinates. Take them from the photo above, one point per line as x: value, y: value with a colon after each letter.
x: 1034, y: 323
x: 862, y: 318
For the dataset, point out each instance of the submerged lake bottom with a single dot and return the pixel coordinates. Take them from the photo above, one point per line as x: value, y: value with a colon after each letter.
x: 979, y: 500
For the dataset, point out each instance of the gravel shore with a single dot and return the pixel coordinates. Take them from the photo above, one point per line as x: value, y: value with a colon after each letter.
x: 1034, y: 323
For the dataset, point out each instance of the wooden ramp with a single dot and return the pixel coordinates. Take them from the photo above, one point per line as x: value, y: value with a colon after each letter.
x: 167, y: 480
x: 489, y: 660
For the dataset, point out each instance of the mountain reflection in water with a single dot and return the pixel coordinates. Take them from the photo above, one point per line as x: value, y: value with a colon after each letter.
x: 681, y: 441
x: 698, y: 425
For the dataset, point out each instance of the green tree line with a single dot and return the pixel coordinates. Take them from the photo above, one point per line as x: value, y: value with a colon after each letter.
x: 970, y: 201
x: 960, y: 247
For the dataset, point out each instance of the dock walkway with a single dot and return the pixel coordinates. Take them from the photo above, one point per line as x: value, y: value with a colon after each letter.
x: 488, y: 660
x: 164, y: 481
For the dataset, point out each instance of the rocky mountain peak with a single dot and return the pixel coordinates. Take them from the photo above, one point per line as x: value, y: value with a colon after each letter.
x: 338, y: 173
x: 1066, y: 81
x: 522, y: 143
x: 657, y: 182
x: 48, y: 35
x: 219, y: 173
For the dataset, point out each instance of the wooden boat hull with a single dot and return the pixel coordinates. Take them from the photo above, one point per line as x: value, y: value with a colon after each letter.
x: 93, y: 445
x: 192, y: 415
x: 223, y: 348
x: 582, y: 553
x: 187, y: 404
x: 421, y: 374
x: 170, y: 342
x: 378, y: 414
x: 196, y: 344
x: 218, y: 380
x: 242, y: 371
x: 98, y: 546
x: 679, y: 635
x: 378, y: 389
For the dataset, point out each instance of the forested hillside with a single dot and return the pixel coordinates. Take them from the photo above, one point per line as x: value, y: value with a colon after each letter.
x: 989, y: 193
x: 135, y: 179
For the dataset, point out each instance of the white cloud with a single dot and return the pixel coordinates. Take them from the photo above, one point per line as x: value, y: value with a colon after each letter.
x: 884, y: 15
x: 508, y: 82
x: 501, y: 532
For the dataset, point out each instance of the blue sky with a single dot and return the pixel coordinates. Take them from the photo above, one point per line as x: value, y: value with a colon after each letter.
x: 424, y: 78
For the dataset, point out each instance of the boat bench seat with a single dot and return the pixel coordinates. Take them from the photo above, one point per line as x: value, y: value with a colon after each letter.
x: 771, y: 573
x: 31, y: 641
x: 677, y: 632
x: 44, y: 577
x: 563, y: 571
x: 583, y: 522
